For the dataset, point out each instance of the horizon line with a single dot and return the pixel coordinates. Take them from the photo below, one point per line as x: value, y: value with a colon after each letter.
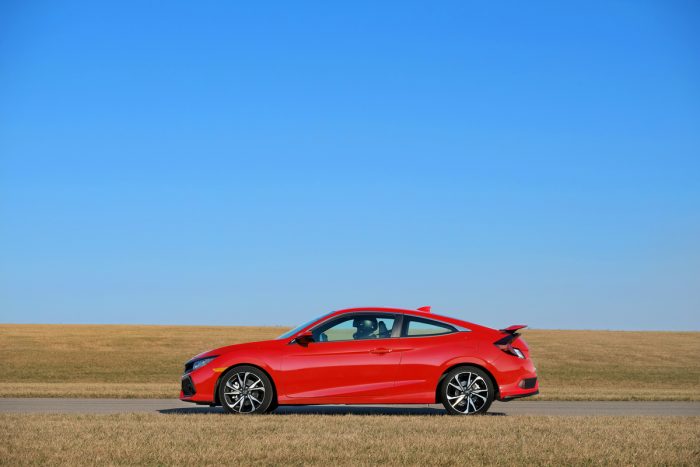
x: 292, y: 326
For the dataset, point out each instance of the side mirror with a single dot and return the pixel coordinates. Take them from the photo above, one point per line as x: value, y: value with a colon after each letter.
x: 304, y: 339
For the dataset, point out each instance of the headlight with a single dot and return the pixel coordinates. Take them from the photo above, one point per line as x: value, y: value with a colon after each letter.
x: 201, y: 362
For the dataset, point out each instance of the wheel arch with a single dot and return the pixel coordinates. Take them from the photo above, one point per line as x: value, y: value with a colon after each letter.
x: 217, y: 400
x: 457, y: 365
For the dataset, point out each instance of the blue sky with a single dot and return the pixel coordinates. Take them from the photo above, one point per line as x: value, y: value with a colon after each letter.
x: 249, y: 163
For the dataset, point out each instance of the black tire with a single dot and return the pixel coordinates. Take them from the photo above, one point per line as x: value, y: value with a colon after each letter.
x: 256, y: 396
x: 474, y: 397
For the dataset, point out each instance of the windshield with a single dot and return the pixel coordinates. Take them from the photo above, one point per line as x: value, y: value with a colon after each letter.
x: 291, y: 332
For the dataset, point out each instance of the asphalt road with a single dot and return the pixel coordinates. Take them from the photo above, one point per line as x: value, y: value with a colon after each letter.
x: 174, y: 406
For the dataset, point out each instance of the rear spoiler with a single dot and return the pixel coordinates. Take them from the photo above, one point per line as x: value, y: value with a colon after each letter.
x: 514, y: 328
x: 512, y: 333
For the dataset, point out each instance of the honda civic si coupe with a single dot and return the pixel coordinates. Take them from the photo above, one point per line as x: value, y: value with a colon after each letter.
x: 367, y: 356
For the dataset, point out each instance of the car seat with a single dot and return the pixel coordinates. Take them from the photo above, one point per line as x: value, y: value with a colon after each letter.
x: 382, y: 331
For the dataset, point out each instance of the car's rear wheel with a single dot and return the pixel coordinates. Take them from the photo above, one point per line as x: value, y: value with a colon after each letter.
x: 467, y: 390
x: 246, y: 389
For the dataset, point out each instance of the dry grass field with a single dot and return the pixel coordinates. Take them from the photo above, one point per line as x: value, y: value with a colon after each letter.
x: 146, y: 361
x: 156, y: 439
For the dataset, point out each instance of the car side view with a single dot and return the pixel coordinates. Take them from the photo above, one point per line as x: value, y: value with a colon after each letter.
x: 367, y: 356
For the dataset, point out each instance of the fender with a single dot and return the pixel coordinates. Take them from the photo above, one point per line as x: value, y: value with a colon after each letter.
x: 221, y: 365
x: 469, y: 360
x: 226, y: 364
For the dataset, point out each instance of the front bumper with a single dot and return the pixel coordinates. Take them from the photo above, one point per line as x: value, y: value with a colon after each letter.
x: 199, y: 385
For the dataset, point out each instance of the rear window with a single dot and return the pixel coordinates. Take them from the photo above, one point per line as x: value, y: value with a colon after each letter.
x: 425, y: 327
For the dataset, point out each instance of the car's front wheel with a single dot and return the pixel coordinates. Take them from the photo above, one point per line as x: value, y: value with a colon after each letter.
x: 246, y: 389
x: 467, y: 390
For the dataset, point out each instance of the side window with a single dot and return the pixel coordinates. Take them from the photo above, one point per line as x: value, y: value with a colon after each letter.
x: 425, y: 327
x: 355, y: 327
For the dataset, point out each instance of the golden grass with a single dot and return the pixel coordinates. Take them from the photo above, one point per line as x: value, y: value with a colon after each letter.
x: 346, y: 440
x: 616, y: 365
x: 107, y: 360
x: 146, y: 361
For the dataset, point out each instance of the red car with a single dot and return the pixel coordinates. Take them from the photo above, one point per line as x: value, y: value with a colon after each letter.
x: 367, y: 356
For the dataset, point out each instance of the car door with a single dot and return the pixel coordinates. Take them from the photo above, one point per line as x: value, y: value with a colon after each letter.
x: 346, y: 363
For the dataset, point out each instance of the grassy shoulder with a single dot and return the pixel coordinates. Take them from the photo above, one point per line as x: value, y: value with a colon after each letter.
x: 136, y: 439
x: 146, y: 361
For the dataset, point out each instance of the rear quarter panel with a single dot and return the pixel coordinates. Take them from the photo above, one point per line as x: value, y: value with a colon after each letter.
x: 425, y: 359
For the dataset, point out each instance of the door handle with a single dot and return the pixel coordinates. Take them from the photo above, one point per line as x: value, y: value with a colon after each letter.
x: 380, y: 351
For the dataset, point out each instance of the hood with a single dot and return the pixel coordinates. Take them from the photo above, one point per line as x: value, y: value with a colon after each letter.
x: 233, y: 348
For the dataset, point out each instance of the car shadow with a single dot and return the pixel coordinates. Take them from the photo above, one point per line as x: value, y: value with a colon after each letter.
x: 328, y: 410
x: 192, y: 410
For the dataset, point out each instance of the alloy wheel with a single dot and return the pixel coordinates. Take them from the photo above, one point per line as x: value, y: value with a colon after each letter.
x: 467, y: 392
x: 244, y: 392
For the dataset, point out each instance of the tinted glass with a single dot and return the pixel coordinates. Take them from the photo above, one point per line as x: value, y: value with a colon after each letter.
x: 356, y: 327
x: 424, y: 327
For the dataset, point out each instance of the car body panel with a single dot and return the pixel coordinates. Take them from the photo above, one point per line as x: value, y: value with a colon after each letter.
x: 344, y: 370
x: 402, y: 370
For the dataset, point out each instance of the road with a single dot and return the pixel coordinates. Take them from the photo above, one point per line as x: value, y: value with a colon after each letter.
x: 174, y: 406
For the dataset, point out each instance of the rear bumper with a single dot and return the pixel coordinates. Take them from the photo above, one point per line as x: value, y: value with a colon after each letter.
x: 526, y: 386
x: 516, y: 378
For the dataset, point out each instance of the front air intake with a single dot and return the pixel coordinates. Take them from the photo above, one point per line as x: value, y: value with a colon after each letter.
x: 188, y: 387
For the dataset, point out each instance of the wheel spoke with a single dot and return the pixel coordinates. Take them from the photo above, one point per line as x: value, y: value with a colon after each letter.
x: 243, y: 404
x: 239, y: 401
x: 480, y: 396
x: 455, y: 386
x: 254, y: 384
x: 459, y: 399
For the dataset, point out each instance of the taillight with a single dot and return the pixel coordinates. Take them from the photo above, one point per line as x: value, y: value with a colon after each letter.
x: 509, y: 349
x: 506, y: 345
